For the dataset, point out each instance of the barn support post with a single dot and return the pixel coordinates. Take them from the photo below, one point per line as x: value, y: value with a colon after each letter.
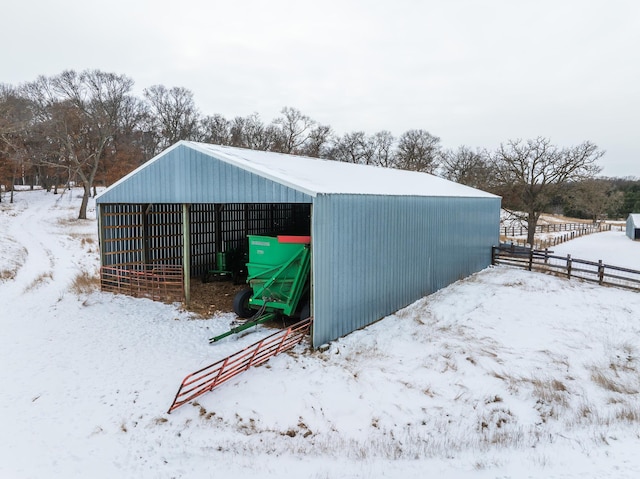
x: 246, y: 220
x: 99, y: 214
x: 218, y: 230
x: 186, y: 253
x: 145, y: 234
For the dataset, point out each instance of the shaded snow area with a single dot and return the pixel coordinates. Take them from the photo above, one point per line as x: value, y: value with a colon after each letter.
x: 503, y: 374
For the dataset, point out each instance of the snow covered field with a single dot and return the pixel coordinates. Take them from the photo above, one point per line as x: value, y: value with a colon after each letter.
x: 612, y: 247
x: 504, y: 374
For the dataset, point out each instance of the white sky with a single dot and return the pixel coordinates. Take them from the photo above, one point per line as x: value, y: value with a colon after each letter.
x: 473, y: 73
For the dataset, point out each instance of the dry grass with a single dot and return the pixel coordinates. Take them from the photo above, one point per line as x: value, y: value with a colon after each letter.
x: 621, y: 374
x: 39, y: 280
x: 611, y: 381
x: 85, y: 283
x: 15, y: 256
x: 628, y: 414
x: 70, y: 220
x: 7, y: 274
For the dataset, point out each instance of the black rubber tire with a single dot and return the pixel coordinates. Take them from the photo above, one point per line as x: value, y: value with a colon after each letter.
x: 241, y: 303
x: 305, y: 311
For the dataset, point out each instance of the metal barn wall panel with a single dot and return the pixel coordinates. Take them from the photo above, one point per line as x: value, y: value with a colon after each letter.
x: 373, y: 255
x: 184, y: 175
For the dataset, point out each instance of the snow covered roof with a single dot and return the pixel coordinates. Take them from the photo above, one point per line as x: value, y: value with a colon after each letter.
x: 635, y: 218
x: 317, y: 176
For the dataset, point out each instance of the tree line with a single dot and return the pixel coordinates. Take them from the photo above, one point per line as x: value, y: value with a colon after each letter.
x: 89, y: 128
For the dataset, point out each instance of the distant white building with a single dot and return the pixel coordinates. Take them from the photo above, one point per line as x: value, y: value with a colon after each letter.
x: 633, y: 226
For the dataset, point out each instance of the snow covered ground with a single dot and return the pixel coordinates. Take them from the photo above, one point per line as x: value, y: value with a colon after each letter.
x: 504, y: 374
x: 612, y: 247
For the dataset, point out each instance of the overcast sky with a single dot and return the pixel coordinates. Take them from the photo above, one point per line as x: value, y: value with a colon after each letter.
x: 473, y: 73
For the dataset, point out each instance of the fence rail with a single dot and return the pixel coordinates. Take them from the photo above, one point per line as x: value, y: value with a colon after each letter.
x: 212, y: 376
x: 550, y: 228
x: 546, y: 261
x: 558, y: 239
x: 157, y: 282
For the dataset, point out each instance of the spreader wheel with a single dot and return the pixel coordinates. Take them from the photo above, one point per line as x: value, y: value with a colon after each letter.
x: 241, y: 303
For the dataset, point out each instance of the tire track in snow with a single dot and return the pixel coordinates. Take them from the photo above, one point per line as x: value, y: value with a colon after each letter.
x: 39, y: 265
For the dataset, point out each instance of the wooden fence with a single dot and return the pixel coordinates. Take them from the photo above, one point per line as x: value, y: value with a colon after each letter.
x: 550, y: 228
x: 546, y: 261
x: 157, y: 282
x: 556, y: 240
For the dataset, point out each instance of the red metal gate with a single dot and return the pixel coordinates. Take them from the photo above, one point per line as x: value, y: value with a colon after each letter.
x: 212, y: 376
x: 157, y: 282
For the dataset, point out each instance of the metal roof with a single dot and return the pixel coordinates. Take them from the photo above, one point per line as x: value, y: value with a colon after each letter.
x: 313, y: 176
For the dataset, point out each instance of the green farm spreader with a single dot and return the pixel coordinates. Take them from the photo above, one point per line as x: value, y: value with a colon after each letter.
x: 278, y: 278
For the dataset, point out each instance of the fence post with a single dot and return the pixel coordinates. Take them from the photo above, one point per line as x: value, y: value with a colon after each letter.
x: 568, y: 266
x: 493, y: 256
x: 530, y: 257
x: 546, y: 255
x: 600, y: 272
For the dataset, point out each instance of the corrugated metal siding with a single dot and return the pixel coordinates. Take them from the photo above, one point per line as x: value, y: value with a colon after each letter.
x: 375, y: 255
x: 184, y: 175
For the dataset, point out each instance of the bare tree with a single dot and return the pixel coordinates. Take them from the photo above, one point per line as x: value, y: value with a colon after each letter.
x: 237, y: 132
x: 530, y: 173
x: 381, y: 147
x: 79, y: 115
x: 15, y: 119
x: 173, y: 113
x: 316, y: 144
x: 593, y: 198
x: 259, y: 136
x: 293, y: 131
x: 250, y: 132
x: 130, y: 146
x: 216, y: 129
x: 418, y: 150
x: 467, y: 167
x: 350, y: 148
